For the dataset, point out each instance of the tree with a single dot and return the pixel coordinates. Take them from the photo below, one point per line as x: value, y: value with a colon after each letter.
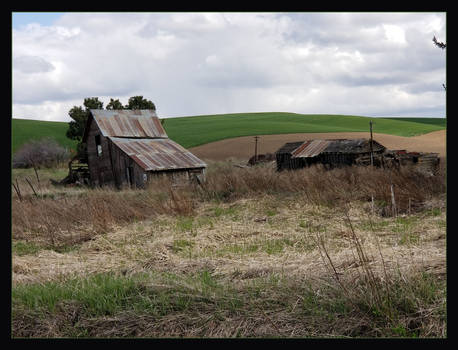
x: 138, y: 102
x: 442, y: 46
x: 114, y: 104
x: 76, y: 127
x: 439, y: 43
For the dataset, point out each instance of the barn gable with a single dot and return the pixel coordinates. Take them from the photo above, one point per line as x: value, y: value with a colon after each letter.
x: 126, y: 123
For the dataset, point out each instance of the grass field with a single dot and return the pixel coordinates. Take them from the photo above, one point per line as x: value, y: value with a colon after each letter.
x: 198, y: 130
x: 24, y: 130
x: 252, y: 254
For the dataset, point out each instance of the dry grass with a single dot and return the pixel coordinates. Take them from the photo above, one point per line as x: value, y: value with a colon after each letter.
x: 253, y: 253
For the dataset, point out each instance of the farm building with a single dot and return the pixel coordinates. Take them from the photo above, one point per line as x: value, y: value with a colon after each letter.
x: 129, y: 147
x: 296, y: 155
x: 331, y: 153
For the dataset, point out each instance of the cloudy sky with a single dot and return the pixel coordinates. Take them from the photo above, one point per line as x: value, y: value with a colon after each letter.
x: 189, y: 63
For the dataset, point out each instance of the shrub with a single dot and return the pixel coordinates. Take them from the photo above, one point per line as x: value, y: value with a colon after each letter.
x: 45, y: 152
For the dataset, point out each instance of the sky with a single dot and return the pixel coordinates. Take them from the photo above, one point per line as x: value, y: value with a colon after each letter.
x: 378, y: 64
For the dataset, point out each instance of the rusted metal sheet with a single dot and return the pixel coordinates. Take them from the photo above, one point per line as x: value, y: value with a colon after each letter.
x: 310, y: 149
x: 128, y: 123
x: 158, y: 154
x: 353, y: 146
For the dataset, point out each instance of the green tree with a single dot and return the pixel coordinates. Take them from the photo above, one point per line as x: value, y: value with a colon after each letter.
x: 138, y: 102
x: 76, y: 126
x: 114, y: 104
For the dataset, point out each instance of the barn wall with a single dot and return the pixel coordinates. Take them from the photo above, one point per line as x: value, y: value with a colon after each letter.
x: 181, y: 176
x: 121, y: 163
x: 99, y: 166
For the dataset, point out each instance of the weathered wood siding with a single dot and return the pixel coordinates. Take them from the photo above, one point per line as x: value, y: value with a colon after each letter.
x: 99, y: 166
x: 121, y: 165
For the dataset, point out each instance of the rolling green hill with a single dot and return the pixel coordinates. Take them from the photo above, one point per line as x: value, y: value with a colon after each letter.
x: 24, y: 130
x: 197, y: 130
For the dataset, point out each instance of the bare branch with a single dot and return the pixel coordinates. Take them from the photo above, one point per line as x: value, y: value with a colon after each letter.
x: 439, y: 43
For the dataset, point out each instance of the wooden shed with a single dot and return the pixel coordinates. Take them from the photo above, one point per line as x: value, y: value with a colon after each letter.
x: 296, y: 155
x: 129, y: 147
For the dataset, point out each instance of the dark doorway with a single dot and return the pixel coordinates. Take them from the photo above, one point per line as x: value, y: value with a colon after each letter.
x: 130, y: 176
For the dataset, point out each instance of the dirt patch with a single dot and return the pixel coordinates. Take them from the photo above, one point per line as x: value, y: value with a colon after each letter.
x: 243, y: 147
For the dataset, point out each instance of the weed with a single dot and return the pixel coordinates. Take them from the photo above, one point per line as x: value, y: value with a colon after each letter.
x: 181, y: 245
x: 185, y: 224
x: 21, y: 248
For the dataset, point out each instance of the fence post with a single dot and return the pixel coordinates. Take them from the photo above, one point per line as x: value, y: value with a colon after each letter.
x: 393, y: 201
x: 372, y: 204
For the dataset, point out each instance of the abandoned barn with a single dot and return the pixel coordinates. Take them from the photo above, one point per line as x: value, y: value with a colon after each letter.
x: 130, y: 147
x: 296, y: 155
x: 331, y: 153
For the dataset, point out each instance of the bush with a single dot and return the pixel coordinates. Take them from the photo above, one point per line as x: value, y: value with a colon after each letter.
x: 40, y: 153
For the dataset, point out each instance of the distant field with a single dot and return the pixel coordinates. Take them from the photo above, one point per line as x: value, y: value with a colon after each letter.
x: 24, y: 130
x: 198, y: 130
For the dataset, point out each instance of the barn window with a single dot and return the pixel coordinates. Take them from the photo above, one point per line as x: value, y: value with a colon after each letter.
x: 98, y: 145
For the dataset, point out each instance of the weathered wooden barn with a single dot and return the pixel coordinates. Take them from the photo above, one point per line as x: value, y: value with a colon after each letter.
x: 130, y: 147
x: 332, y: 153
x: 296, y: 155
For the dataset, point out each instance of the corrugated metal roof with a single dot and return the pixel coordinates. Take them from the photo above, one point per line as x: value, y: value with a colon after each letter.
x: 289, y: 147
x: 352, y: 146
x: 128, y: 123
x: 313, y: 148
x: 158, y: 154
x: 310, y: 148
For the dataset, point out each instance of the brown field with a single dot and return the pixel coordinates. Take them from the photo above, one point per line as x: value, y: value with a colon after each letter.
x: 243, y: 147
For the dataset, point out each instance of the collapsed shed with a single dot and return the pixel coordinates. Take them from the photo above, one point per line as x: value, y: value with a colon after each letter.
x: 332, y: 153
x: 130, y: 147
x: 296, y: 155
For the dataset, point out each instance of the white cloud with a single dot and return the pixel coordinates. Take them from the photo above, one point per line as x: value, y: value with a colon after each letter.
x: 394, y: 33
x: 204, y: 63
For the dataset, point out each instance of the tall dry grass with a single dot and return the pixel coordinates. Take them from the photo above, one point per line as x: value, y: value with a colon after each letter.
x: 329, y: 187
x: 68, y: 219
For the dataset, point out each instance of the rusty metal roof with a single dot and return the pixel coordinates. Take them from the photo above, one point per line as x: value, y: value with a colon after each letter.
x: 128, y: 123
x: 313, y: 148
x: 352, y: 146
x: 158, y: 154
x: 310, y: 149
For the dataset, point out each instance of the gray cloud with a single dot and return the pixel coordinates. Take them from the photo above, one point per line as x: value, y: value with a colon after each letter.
x: 204, y: 63
x: 32, y: 64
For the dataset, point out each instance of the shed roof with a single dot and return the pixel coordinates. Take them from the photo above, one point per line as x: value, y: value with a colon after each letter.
x: 353, y: 146
x: 289, y: 147
x: 158, y: 154
x: 128, y: 123
x: 312, y: 148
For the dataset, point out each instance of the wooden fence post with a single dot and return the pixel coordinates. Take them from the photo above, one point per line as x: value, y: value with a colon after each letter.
x: 393, y: 201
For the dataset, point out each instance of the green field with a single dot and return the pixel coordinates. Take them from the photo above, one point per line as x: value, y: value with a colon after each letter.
x: 198, y: 130
x: 24, y: 130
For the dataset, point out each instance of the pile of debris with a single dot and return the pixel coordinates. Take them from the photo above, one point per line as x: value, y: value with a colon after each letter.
x: 78, y: 173
x: 261, y: 158
x: 424, y: 162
